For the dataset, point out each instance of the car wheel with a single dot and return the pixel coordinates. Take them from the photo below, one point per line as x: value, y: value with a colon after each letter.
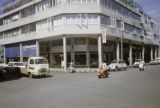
x: 30, y: 75
x: 116, y: 68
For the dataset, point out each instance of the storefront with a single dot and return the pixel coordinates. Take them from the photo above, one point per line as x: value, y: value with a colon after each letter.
x: 12, y: 52
x: 20, y: 51
x: 83, y: 51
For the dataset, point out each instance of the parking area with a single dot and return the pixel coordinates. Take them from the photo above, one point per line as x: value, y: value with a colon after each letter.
x: 123, y: 89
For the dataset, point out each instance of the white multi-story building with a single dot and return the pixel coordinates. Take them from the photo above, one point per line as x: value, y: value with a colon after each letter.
x: 85, y: 31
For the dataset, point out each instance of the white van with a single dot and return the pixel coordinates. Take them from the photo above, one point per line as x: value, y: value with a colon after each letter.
x: 36, y: 66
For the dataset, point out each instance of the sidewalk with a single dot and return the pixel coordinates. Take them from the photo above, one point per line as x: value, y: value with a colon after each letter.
x: 78, y: 70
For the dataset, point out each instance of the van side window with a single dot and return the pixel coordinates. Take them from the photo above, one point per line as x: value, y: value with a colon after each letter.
x: 10, y: 64
x: 31, y: 61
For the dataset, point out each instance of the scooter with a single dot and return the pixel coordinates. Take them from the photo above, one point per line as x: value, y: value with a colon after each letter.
x: 71, y: 69
x: 104, y: 74
x: 141, y: 67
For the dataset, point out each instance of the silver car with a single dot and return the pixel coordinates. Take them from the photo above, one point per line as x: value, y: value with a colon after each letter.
x: 117, y: 65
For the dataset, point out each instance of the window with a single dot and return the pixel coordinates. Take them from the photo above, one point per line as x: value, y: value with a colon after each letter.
x: 41, y: 61
x: 120, y: 9
x: 80, y: 59
x: 93, y: 41
x: 11, y: 33
x: 105, y: 20
x: 31, y: 61
x: 58, y: 20
x: 28, y: 28
x: 57, y: 42
x: 1, y: 22
x: 1, y: 35
x: 43, y: 5
x: 92, y: 19
x: 10, y: 64
x: 113, y: 22
x: 28, y: 11
x: 41, y: 25
x: 119, y: 24
x: 80, y: 41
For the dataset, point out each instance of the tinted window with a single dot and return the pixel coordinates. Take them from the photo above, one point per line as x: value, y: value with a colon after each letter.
x: 10, y: 64
x: 31, y: 61
x: 41, y: 61
x: 18, y: 64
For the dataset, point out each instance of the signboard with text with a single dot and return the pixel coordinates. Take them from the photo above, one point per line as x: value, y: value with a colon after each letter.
x: 29, y: 49
x: 104, y: 36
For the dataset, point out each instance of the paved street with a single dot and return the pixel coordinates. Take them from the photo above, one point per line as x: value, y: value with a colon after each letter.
x: 123, y: 89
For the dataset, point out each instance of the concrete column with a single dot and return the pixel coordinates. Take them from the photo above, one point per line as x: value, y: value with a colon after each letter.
x: 158, y: 51
x: 4, y: 54
x: 72, y: 51
x: 100, y: 49
x: 87, y: 53
x: 98, y: 2
x: 50, y: 53
x: 122, y: 46
x: 155, y: 52
x: 130, y: 55
x: 143, y: 49
x: 151, y: 53
x: 37, y: 48
x: 118, y: 50
x: 21, y: 53
x: 64, y: 53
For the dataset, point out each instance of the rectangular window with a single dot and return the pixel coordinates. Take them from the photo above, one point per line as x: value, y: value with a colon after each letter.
x: 28, y: 28
x: 80, y: 41
x: 113, y: 22
x: 119, y: 24
x: 120, y: 9
x: 1, y: 35
x: 80, y: 59
x: 105, y: 20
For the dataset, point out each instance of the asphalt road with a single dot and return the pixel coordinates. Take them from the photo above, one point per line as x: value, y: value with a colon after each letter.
x: 123, y: 89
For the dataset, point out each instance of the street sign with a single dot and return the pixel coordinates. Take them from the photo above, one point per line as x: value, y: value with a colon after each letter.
x: 104, y: 36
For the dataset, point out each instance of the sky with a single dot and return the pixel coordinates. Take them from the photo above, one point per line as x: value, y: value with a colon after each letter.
x: 152, y: 7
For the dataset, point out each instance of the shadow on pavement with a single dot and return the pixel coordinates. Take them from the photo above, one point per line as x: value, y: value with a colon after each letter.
x: 9, y: 77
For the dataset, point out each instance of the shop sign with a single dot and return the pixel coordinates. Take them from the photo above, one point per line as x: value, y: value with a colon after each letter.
x: 104, y: 36
x: 29, y: 49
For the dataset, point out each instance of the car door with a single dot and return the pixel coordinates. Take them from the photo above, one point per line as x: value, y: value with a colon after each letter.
x: 31, y: 65
x: 121, y: 63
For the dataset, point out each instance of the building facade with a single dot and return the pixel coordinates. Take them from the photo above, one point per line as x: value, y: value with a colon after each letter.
x: 88, y: 32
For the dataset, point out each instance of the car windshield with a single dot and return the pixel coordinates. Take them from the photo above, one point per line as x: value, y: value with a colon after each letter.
x: 19, y: 64
x: 41, y: 61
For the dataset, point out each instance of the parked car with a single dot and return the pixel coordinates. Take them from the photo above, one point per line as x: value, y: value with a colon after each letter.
x: 117, y: 65
x: 158, y: 60
x: 155, y: 61
x: 13, y: 67
x: 137, y: 62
